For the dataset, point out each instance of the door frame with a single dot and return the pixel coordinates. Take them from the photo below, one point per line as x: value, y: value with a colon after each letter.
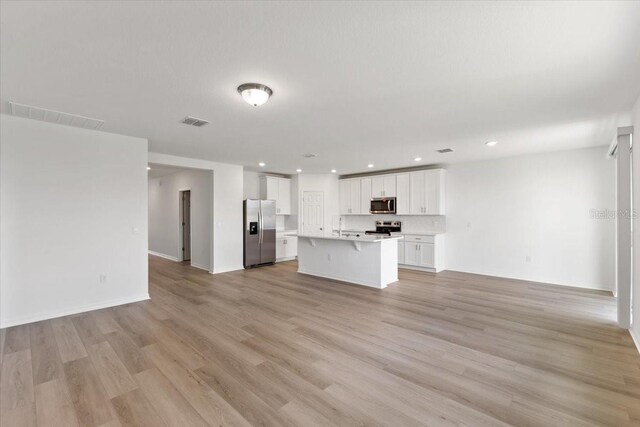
x: 324, y: 220
x: 181, y: 191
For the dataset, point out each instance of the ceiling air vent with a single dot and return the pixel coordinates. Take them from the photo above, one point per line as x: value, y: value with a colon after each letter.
x: 52, y: 116
x: 445, y: 150
x: 309, y: 155
x: 192, y: 121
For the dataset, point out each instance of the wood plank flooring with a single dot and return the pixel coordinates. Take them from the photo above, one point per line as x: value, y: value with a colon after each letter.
x: 270, y: 347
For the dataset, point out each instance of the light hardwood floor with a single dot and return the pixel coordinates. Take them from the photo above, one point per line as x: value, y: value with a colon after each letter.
x: 272, y: 347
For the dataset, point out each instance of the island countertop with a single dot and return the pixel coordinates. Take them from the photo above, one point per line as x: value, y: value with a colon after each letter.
x: 365, y: 238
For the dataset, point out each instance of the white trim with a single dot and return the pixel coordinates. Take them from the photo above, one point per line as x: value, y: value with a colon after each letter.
x: 636, y: 340
x: 418, y: 268
x: 7, y: 323
x: 523, y: 279
x: 343, y: 279
x: 291, y: 258
x: 227, y: 270
x: 201, y: 267
x: 161, y: 255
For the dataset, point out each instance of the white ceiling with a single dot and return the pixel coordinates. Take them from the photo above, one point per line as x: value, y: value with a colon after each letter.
x: 158, y: 171
x: 356, y: 83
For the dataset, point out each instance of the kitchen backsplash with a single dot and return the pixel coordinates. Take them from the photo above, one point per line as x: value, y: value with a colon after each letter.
x: 410, y: 223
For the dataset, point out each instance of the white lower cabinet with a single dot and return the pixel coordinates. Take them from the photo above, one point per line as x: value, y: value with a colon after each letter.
x: 422, y: 251
x: 400, y: 252
x: 286, y: 248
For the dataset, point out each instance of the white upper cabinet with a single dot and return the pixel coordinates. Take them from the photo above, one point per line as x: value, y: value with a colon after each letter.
x: 365, y: 196
x: 350, y: 197
x: 434, y: 197
x: 416, y: 193
x: 278, y: 189
x: 427, y: 192
x: 403, y: 194
x: 383, y: 186
x: 284, y: 196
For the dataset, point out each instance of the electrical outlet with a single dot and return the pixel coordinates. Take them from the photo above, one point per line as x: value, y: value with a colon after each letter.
x: 528, y: 258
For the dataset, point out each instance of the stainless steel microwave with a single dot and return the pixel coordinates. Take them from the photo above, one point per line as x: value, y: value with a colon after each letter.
x: 383, y: 205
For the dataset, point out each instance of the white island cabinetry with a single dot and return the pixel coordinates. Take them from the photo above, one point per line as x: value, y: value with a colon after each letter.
x: 365, y: 260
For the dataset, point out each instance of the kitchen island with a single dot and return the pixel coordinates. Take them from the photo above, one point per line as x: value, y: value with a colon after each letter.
x: 367, y: 260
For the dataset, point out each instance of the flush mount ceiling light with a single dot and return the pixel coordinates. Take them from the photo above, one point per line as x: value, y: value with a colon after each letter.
x: 262, y: 164
x: 255, y: 94
x: 491, y: 143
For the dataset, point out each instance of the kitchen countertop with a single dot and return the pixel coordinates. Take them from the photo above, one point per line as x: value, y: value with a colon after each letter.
x: 401, y: 233
x: 351, y: 238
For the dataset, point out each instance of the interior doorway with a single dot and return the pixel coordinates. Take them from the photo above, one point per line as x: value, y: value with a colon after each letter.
x: 313, y: 213
x: 185, y: 225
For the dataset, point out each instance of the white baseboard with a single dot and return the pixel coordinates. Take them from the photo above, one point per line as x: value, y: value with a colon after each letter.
x: 172, y: 258
x: 201, y: 267
x: 226, y: 270
x: 7, y: 323
x: 524, y: 279
x: 413, y: 267
x: 635, y: 338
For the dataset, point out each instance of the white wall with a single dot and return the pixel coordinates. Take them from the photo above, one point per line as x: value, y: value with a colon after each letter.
x: 328, y: 184
x: 73, y: 208
x: 500, y: 212
x: 635, y: 291
x: 164, y: 215
x: 227, y: 208
x: 251, y: 185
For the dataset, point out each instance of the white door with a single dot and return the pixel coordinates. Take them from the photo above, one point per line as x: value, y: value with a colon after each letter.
x: 403, y: 194
x: 365, y: 196
x: 312, y: 213
x: 426, y: 254
x: 411, y: 253
x: 416, y: 187
x: 284, y: 196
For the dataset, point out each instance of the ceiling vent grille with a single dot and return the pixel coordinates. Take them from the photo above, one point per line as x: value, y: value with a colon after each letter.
x: 445, y: 150
x: 52, y: 116
x: 192, y: 121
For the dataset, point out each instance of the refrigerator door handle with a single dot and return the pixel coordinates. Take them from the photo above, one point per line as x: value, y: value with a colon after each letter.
x: 260, y: 226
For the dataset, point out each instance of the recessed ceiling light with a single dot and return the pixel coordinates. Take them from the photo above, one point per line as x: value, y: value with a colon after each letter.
x: 148, y: 168
x: 298, y: 170
x: 370, y: 165
x: 417, y: 159
x: 262, y: 164
x: 333, y: 171
x: 255, y: 94
x: 491, y: 143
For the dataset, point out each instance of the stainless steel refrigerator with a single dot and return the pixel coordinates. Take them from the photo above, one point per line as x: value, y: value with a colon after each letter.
x: 259, y: 232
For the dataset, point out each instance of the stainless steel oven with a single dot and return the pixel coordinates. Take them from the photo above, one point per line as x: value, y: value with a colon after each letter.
x: 383, y: 205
